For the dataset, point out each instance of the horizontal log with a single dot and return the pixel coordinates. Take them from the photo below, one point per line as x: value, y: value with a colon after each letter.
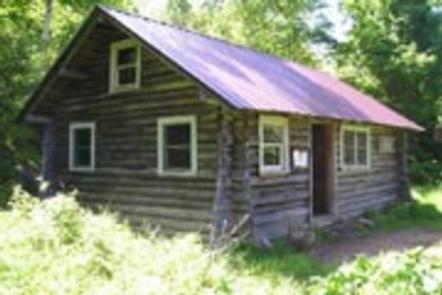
x: 110, y: 199
x: 163, y: 212
x: 280, y: 216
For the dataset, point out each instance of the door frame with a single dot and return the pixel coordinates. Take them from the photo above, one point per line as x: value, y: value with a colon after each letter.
x: 333, y: 128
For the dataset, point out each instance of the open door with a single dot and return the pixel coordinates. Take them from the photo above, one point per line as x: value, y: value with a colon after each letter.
x: 322, y: 174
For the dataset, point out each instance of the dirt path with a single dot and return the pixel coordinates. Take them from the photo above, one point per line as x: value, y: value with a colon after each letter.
x: 377, y: 242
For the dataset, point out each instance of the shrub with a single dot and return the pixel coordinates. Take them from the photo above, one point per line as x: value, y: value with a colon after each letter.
x: 426, y: 171
x: 391, y: 273
x: 56, y: 247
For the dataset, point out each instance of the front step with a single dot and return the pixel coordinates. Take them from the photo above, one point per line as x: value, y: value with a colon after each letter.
x: 323, y: 220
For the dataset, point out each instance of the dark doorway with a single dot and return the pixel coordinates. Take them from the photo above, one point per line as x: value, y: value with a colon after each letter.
x: 322, y: 141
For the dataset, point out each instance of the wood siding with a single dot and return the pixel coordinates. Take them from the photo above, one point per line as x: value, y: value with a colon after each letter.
x: 278, y: 204
x: 126, y: 177
x: 282, y: 204
x: 358, y: 191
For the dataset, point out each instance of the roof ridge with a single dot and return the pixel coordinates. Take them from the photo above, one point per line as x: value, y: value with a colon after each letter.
x: 194, y: 32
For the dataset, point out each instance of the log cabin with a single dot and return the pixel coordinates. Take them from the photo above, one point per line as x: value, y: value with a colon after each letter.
x: 194, y: 133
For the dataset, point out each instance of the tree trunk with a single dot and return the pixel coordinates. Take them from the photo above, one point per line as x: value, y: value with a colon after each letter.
x: 46, y: 35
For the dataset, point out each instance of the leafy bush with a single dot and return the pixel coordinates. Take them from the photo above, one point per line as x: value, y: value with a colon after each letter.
x: 56, y: 247
x: 391, y: 273
x: 426, y: 171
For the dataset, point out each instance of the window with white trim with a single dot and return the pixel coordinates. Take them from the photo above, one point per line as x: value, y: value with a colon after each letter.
x: 125, y: 65
x: 82, y: 146
x: 273, y: 145
x: 177, y: 145
x: 355, y: 147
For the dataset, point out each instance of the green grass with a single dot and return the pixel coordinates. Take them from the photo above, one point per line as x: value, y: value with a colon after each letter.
x: 429, y: 195
x: 56, y: 247
x: 280, y: 261
x: 423, y: 211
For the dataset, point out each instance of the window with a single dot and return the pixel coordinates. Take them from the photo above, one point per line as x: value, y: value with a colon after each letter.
x: 273, y: 145
x: 355, y: 147
x: 82, y: 146
x: 125, y: 66
x: 177, y: 145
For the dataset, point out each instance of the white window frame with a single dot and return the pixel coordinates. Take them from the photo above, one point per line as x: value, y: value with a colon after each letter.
x: 356, y: 165
x: 72, y: 128
x: 173, y: 120
x: 114, y: 69
x: 284, y: 167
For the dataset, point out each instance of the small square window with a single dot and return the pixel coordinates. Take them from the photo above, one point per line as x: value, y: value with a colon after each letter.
x: 82, y: 146
x: 177, y: 151
x: 125, y: 66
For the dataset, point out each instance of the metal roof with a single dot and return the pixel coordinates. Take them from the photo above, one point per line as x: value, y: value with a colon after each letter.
x: 249, y: 80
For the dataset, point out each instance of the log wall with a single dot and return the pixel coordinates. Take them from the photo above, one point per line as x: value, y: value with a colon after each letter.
x: 374, y: 188
x: 282, y: 204
x: 277, y: 204
x: 125, y: 178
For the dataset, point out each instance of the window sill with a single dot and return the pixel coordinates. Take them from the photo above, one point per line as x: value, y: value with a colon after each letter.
x: 82, y: 170
x: 190, y: 174
x: 119, y: 90
x: 273, y: 173
x: 351, y: 169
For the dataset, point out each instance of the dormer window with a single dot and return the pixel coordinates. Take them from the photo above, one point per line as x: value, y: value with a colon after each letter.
x: 125, y: 66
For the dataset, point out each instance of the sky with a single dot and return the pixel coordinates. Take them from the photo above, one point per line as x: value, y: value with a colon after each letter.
x: 155, y: 8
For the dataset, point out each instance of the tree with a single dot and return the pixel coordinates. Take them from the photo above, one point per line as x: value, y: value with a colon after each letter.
x: 281, y: 28
x: 32, y: 33
x: 394, y: 52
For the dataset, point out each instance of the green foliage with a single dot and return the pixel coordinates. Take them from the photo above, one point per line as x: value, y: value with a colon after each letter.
x: 392, y: 273
x: 277, y: 27
x: 15, y: 66
x: 423, y: 211
x: 56, y: 247
x: 394, y: 52
x: 24, y: 57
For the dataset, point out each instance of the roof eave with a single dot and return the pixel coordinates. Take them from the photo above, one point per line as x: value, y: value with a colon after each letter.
x: 36, y: 93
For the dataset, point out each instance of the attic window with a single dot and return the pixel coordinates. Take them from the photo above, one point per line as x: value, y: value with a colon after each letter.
x: 125, y: 66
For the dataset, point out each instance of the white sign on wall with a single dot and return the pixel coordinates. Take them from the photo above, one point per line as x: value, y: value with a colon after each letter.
x: 300, y: 158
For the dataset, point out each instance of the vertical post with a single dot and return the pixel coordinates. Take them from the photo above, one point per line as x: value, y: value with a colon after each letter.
x: 48, y: 157
x: 250, y: 159
x: 222, y: 203
x: 404, y: 181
